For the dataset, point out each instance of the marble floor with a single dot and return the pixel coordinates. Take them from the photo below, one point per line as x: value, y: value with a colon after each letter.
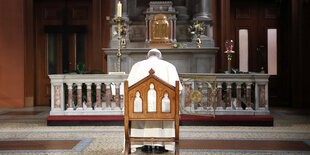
x: 24, y: 131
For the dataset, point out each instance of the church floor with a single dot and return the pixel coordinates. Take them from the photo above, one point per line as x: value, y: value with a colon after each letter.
x: 24, y: 131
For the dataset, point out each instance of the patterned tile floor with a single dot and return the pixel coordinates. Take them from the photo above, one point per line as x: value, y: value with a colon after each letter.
x: 24, y: 131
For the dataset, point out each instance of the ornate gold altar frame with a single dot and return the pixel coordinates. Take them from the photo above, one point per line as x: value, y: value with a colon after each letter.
x: 196, y: 95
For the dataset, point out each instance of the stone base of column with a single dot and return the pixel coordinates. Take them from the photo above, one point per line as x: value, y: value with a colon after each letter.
x: 239, y: 108
x: 248, y: 108
x: 79, y: 109
x: 69, y: 109
x: 89, y: 109
x: 98, y: 108
x: 228, y: 108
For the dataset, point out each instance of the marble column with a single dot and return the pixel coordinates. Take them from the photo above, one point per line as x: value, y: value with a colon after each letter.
x: 79, y: 96
x: 98, y: 96
x: 117, y: 96
x: 204, y: 10
x: 229, y: 107
x: 89, y: 102
x: 219, y: 105
x: 238, y: 105
x: 69, y: 107
x: 108, y: 96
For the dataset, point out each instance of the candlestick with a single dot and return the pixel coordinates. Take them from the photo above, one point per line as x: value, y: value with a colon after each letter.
x: 119, y: 9
x: 229, y: 44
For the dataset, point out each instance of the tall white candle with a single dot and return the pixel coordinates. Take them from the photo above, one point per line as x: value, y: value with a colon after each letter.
x: 119, y: 9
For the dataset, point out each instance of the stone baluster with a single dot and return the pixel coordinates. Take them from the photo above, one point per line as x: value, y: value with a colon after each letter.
x: 108, y: 96
x: 98, y: 96
x: 219, y: 105
x: 229, y: 107
x: 89, y: 102
x: 70, y: 97
x: 238, y: 105
x: 248, y: 96
x: 117, y: 96
x: 79, y: 97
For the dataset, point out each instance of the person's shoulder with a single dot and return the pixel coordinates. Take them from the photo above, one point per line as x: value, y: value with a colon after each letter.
x: 168, y: 63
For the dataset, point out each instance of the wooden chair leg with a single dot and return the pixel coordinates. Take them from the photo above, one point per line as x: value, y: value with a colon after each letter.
x: 127, y: 148
x: 176, y: 148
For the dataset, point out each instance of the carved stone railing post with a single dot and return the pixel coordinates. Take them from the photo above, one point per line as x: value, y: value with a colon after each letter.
x: 108, y: 96
x: 248, y: 96
x: 117, y: 96
x: 89, y: 102
x: 79, y: 97
x: 70, y: 97
x: 229, y: 107
x: 98, y: 97
x: 219, y: 105
x: 238, y: 105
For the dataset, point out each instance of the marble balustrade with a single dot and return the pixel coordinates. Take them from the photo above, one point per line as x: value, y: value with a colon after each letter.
x: 226, y: 94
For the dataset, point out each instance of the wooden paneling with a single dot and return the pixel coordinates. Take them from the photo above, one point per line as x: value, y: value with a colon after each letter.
x: 12, y: 53
x: 29, y: 54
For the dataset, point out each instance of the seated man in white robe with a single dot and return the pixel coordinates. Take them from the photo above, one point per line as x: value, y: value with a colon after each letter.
x: 167, y: 72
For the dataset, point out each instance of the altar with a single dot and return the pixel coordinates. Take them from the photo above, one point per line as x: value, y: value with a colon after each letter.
x: 186, y: 60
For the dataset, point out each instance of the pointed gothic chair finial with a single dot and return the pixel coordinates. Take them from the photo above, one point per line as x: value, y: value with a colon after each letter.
x: 151, y: 71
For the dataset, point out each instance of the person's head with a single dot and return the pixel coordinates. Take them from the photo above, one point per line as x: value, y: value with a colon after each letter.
x: 154, y: 52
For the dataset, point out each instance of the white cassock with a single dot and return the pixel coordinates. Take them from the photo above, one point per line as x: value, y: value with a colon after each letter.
x: 167, y: 72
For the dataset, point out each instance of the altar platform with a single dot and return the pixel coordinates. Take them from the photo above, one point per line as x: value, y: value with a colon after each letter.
x: 185, y: 120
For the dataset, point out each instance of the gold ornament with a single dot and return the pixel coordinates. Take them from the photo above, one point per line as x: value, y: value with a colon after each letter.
x: 196, y: 96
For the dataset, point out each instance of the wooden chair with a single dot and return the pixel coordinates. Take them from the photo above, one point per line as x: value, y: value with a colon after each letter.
x: 161, y: 87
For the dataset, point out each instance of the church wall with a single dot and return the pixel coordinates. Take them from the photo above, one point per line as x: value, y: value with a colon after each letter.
x: 12, y: 49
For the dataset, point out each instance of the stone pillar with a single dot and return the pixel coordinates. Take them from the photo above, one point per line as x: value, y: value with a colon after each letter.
x: 79, y: 96
x: 248, y: 96
x: 228, y: 96
x: 108, y: 96
x: 204, y: 11
x: 238, y: 105
x: 98, y: 96
x: 89, y: 103
x: 69, y: 107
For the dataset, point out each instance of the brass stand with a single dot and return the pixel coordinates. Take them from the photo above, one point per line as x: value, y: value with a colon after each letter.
x: 119, y: 20
x: 229, y: 57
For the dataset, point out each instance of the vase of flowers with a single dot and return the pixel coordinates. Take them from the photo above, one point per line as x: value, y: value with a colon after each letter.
x: 123, y: 32
x: 197, y: 29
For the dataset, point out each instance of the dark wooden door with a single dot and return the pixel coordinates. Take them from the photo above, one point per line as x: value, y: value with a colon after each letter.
x: 60, y: 42
x: 258, y: 18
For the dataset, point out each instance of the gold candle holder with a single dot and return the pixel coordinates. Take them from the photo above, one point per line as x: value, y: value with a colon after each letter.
x: 119, y: 20
x: 229, y: 57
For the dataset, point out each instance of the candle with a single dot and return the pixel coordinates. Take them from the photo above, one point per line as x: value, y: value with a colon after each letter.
x: 119, y: 9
